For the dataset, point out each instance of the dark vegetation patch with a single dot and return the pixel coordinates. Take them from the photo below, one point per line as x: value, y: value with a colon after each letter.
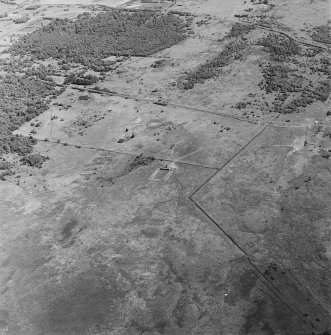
x: 140, y: 160
x: 4, y: 165
x: 239, y: 29
x: 68, y: 228
x: 116, y: 32
x: 34, y: 7
x: 81, y: 79
x: 5, y: 173
x: 322, y: 34
x: 158, y: 63
x: 241, y: 105
x: 22, y: 19
x: 34, y: 160
x: 83, y: 97
x: 260, y: 2
x: 5, y: 169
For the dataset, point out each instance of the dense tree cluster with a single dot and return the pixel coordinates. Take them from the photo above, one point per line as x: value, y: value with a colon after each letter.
x: 280, y: 47
x: 211, y: 68
x: 140, y: 160
x: 5, y: 169
x: 158, y: 63
x: 91, y: 38
x: 34, y: 160
x: 239, y: 29
x: 22, y: 98
x: 279, y: 77
x: 16, y: 144
x: 81, y: 79
x: 322, y: 34
x: 321, y: 93
x: 324, y: 66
